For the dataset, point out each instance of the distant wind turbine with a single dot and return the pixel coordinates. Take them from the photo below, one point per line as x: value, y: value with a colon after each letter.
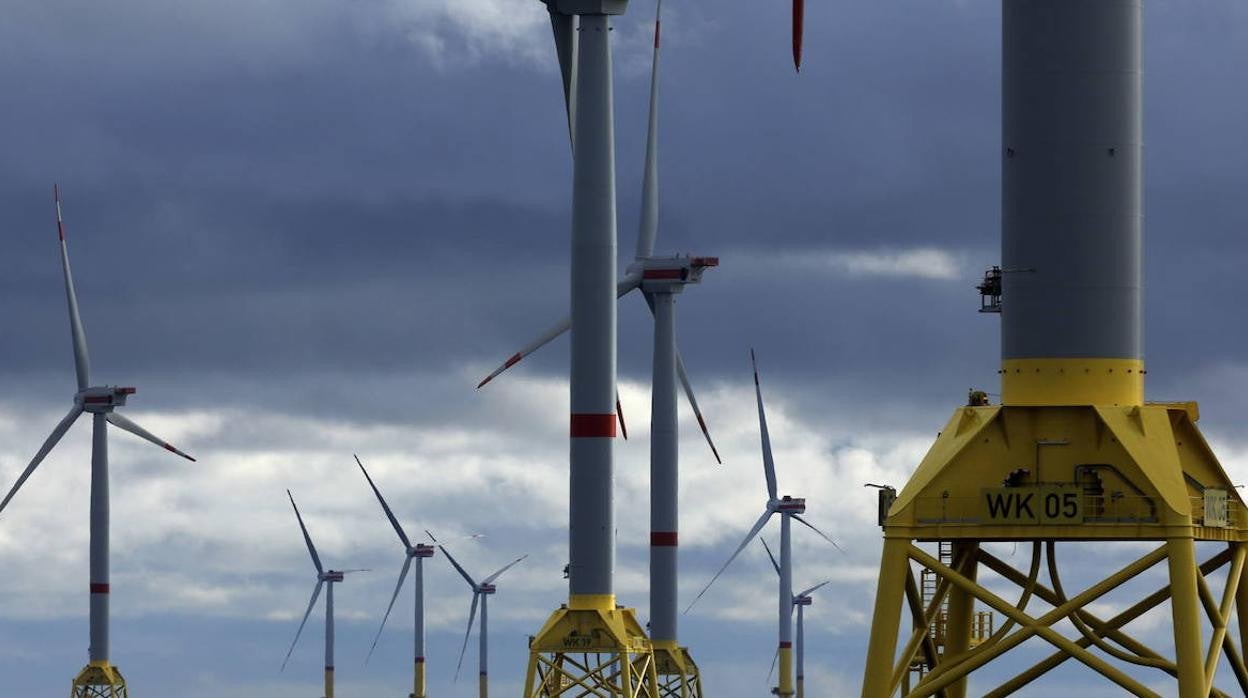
x: 801, y: 600
x: 99, y: 677
x: 324, y: 578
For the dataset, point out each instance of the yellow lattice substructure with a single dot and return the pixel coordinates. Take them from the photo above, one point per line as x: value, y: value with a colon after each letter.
x: 99, y: 680
x: 591, y: 648
x: 1049, y: 474
x: 678, y: 675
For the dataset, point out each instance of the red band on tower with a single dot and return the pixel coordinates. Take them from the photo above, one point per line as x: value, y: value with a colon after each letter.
x: 99, y: 588
x: 663, y: 538
x: 593, y: 426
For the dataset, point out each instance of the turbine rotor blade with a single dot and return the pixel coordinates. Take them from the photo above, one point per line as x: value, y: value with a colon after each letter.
x: 769, y: 463
x: 619, y: 414
x: 693, y: 403
x: 564, y: 29
x: 766, y: 547
x: 799, y: 28
x: 472, y: 615
x: 822, y: 535
x: 66, y: 422
x: 622, y: 288
x: 461, y: 570
x: 650, y: 179
x: 407, y: 563
x: 122, y: 422
x: 82, y: 361
x: 499, y: 573
x: 386, y: 508
x: 815, y: 588
x: 315, y: 595
x: 758, y: 526
x: 316, y: 559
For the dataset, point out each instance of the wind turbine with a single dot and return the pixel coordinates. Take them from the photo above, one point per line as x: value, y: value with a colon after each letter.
x: 801, y: 600
x: 417, y: 552
x: 789, y: 508
x: 662, y: 278
x: 324, y: 578
x: 644, y: 267
x: 480, y: 593
x: 99, y: 677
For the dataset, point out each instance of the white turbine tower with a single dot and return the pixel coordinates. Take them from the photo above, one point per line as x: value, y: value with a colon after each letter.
x: 789, y: 508
x: 480, y: 595
x: 801, y: 600
x: 99, y: 677
x: 324, y: 578
x: 417, y: 552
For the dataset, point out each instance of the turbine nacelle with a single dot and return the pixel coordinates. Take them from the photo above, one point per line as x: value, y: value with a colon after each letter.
x: 788, y: 505
x: 487, y: 589
x: 802, y: 601
x: 420, y: 550
x: 332, y: 576
x: 102, y: 399
x: 669, y: 274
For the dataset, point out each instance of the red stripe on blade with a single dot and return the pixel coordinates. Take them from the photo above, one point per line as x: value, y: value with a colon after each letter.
x: 515, y: 359
x: 663, y: 538
x: 99, y: 588
x: 656, y: 33
x: 591, y: 426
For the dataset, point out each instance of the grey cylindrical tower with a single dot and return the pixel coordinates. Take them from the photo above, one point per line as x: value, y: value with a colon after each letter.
x: 1071, y: 202
x: 664, y: 473
x: 98, y: 652
x: 592, y: 506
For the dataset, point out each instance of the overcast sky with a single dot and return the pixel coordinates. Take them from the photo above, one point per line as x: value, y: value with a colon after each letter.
x: 308, y: 229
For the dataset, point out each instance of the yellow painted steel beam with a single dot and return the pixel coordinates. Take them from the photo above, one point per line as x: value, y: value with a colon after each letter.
x: 1049, y: 382
x: 920, y: 617
x: 1185, y: 612
x: 921, y: 633
x: 1228, y: 643
x: 1223, y: 612
x: 888, y: 597
x: 1033, y: 626
x: 961, y: 609
x: 1108, y: 627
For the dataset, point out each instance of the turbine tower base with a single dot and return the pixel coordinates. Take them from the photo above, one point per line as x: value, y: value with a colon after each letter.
x: 678, y: 674
x: 99, y: 680
x: 1070, y: 475
x: 599, y: 651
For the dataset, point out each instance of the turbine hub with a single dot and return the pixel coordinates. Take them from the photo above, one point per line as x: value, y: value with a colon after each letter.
x: 102, y: 399
x: 421, y: 550
x: 791, y: 505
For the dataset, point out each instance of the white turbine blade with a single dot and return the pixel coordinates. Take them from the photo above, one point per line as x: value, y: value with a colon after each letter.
x: 650, y: 179
x: 407, y: 563
x: 822, y: 535
x: 316, y: 593
x: 316, y: 559
x: 461, y: 570
x: 121, y: 422
x: 385, y: 507
x: 774, y: 657
x: 564, y: 28
x: 693, y: 402
x: 490, y: 579
x: 619, y: 414
x: 47, y: 446
x: 82, y: 361
x: 758, y: 526
x: 531, y: 347
x: 472, y: 615
x: 815, y: 588
x: 769, y: 464
x: 622, y: 287
x: 766, y: 547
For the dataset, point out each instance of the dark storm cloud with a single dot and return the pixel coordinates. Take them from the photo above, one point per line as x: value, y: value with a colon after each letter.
x: 332, y: 201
